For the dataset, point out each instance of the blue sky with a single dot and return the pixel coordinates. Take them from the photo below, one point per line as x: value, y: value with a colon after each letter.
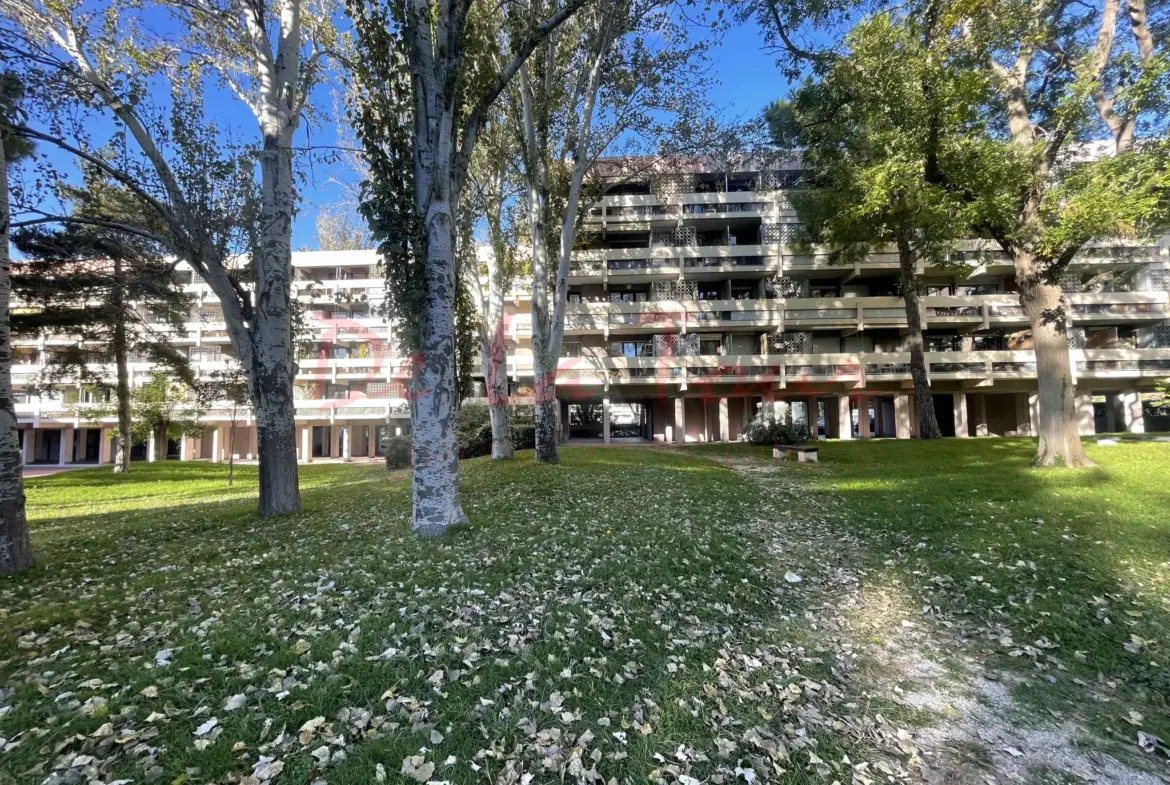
x: 745, y: 80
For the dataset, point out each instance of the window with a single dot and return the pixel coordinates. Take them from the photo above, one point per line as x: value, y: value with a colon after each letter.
x: 938, y: 291
x: 712, y: 346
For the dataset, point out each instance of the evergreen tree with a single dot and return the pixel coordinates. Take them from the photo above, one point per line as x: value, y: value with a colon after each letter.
x: 112, y: 291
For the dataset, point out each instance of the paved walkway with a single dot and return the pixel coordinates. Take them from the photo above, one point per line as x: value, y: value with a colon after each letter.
x: 45, y: 471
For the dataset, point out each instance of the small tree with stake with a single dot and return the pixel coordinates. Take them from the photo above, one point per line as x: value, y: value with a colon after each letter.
x: 228, y: 387
x: 162, y: 408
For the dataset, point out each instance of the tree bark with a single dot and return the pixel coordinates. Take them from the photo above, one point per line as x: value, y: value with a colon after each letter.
x: 15, y: 545
x: 270, y: 377
x: 494, y: 356
x: 1059, y: 440
x: 121, y: 362
x: 927, y: 420
x: 435, y: 442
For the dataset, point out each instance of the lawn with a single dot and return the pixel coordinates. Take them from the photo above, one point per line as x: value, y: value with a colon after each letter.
x: 1060, y: 578
x: 630, y: 614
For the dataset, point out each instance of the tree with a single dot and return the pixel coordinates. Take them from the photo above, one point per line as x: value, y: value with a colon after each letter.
x: 877, y: 130
x: 228, y: 387
x: 15, y: 545
x: 1043, y: 191
x: 621, y: 69
x: 489, y: 195
x: 270, y: 58
x: 160, y: 410
x: 428, y: 74
x: 113, y: 291
x: 340, y: 227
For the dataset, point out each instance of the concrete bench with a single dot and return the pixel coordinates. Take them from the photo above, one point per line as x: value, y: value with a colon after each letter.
x: 803, y: 454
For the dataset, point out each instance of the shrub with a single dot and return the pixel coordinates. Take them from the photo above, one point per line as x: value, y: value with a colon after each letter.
x: 475, y: 429
x: 397, y: 449
x: 766, y: 430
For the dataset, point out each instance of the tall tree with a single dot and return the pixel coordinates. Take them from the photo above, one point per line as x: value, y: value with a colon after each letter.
x: 15, y: 545
x: 429, y: 73
x: 1043, y: 193
x: 490, y: 195
x: 340, y: 227
x: 621, y: 69
x: 877, y: 128
x: 114, y: 292
x: 269, y: 55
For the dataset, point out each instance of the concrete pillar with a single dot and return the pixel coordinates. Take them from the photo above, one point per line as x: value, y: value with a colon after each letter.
x: 680, y: 420
x: 215, y: 456
x: 334, y: 441
x: 30, y: 437
x: 863, y: 430
x: 811, y: 413
x: 1033, y: 414
x: 1086, y: 420
x: 605, y: 419
x: 103, y: 450
x: 184, y: 449
x: 844, y: 417
x: 724, y: 421
x: 372, y: 444
x: 306, y: 443
x: 879, y: 417
x: 902, y: 416
x: 981, y: 415
x: 1023, y: 422
x: 346, y: 435
x: 1132, y: 416
x: 150, y: 447
x: 960, y: 401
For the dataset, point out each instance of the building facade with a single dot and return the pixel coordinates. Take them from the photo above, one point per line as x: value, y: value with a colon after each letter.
x: 691, y: 309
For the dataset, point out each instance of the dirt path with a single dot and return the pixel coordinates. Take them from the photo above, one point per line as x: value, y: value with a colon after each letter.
x: 913, y: 690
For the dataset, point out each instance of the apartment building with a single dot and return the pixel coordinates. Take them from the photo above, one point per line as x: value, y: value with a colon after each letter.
x: 690, y: 309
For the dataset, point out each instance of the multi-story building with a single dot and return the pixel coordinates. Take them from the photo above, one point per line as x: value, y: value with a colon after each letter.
x: 690, y: 308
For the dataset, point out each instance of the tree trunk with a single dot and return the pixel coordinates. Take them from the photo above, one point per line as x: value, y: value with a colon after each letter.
x: 271, y: 375
x: 927, y: 420
x: 1059, y: 441
x: 122, y: 440
x: 434, y: 441
x: 495, y: 367
x: 15, y: 545
x: 160, y: 443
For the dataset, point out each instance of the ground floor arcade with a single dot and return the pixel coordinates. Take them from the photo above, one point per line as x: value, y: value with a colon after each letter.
x: 722, y: 416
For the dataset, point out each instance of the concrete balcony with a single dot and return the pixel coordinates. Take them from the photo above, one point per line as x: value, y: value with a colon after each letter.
x: 846, y: 370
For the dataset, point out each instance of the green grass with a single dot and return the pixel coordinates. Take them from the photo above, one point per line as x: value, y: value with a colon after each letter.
x: 615, y: 595
x: 620, y: 613
x: 1049, y: 574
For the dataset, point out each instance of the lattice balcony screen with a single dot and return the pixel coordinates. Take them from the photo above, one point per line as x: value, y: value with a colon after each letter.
x: 790, y: 343
x: 783, y: 287
x: 674, y: 345
x: 1161, y: 337
x: 777, y: 179
x: 1076, y: 337
x: 1070, y: 281
x: 1160, y: 280
x: 134, y: 357
x: 673, y: 290
x: 779, y: 233
x: 204, y: 353
x: 662, y: 185
x: 673, y: 237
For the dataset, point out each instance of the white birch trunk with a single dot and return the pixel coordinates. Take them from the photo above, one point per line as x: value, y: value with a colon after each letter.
x: 15, y: 545
x: 271, y: 373
x: 433, y: 409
